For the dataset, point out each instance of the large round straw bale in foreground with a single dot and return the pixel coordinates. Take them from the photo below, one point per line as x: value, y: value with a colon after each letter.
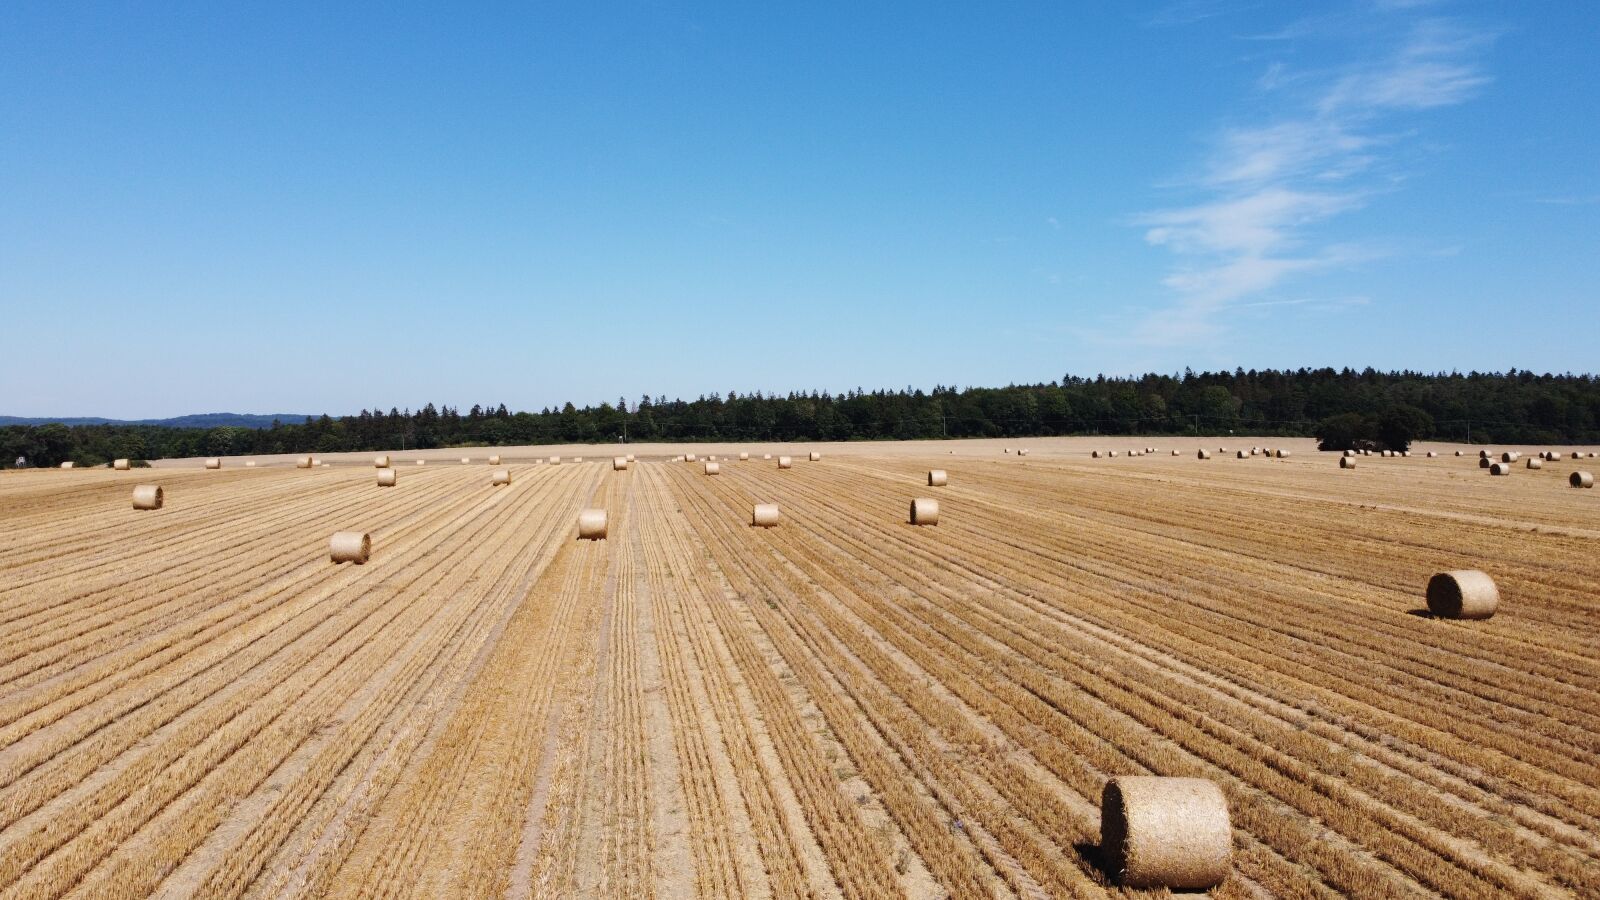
x: 785, y: 462
x: 764, y: 515
x: 592, y: 525
x: 304, y: 462
x: 214, y: 463
x: 380, y: 462
x: 350, y: 546
x: 1581, y: 479
x: 937, y: 478
x: 1535, y: 463
x: 147, y: 496
x: 1203, y: 453
x: 500, y: 476
x: 1165, y: 832
x: 815, y: 456
x: 924, y: 511
x: 1500, y: 468
x: 619, y: 464
x: 387, y: 477
x: 713, y: 468
x: 1347, y: 462
x: 1462, y: 594
x: 121, y: 465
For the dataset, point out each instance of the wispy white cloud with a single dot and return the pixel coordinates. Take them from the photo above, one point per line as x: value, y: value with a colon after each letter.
x: 1265, y: 187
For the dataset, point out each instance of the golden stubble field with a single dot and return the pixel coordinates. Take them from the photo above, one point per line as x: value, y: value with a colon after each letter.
x: 195, y: 701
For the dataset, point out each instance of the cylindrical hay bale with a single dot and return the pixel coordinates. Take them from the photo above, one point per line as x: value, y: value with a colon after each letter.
x: 785, y: 462
x: 1405, y: 452
x: 350, y: 546
x: 69, y: 464
x: 743, y: 456
x: 304, y: 462
x: 1483, y: 454
x: 1535, y: 463
x: 1244, y: 455
x: 494, y: 459
x: 1024, y: 452
x: 629, y: 457
x: 148, y: 496
x: 1282, y: 454
x: 817, y: 457
x: 1500, y: 468
x: 937, y: 478
x: 465, y: 460
x: 1462, y: 594
x: 1458, y: 453
x: 619, y: 464
x: 1591, y: 454
x: 592, y: 525
x: 1366, y: 453
x: 1510, y: 456
x: 1165, y: 832
x: 924, y: 511
x: 1347, y: 462
x: 387, y: 477
x: 1174, y: 453
x: 1094, y: 454
x: 713, y: 468
x: 1581, y: 479
x: 214, y: 463
x: 380, y: 462
x: 422, y: 462
x: 250, y: 464
x: 121, y: 465
x: 1483, y: 462
x: 1432, y: 454
x: 555, y: 460
x: 764, y: 515
x: 500, y: 476
x: 1222, y: 449
x: 1203, y: 453
x: 1576, y: 455
x: 691, y: 457
x: 317, y: 462
x: 711, y: 458
x: 1113, y: 454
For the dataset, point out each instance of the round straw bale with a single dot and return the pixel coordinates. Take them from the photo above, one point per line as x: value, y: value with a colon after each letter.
x: 387, y: 477
x: 1094, y: 454
x: 1282, y: 454
x: 1222, y: 449
x: 1254, y: 451
x: 577, y: 459
x: 1462, y: 594
x: 785, y: 462
x: 148, y: 496
x: 1500, y: 468
x: 555, y: 460
x: 304, y: 462
x: 1432, y: 454
x: 1347, y: 462
x: 592, y: 525
x: 1405, y: 452
x: 691, y: 457
x: 1023, y: 451
x: 711, y: 458
x: 1245, y: 455
x: 619, y: 464
x: 1458, y: 453
x: 121, y: 465
x: 465, y: 460
x: 629, y: 457
x: 1591, y: 454
x: 937, y: 478
x: 494, y: 459
x: 1202, y: 453
x: 380, y: 462
x: 1483, y: 462
x: 1483, y: 454
x: 1175, y: 453
x: 250, y: 464
x: 422, y: 462
x: 1366, y: 452
x: 766, y: 456
x: 214, y: 463
x: 924, y: 511
x: 743, y: 456
x: 1510, y: 456
x: 1165, y: 832
x: 1576, y: 455
x: 713, y: 468
x: 1535, y: 463
x: 1581, y: 479
x: 350, y: 546
x: 817, y: 457
x: 1149, y: 449
x: 764, y: 515
x: 500, y: 476
x: 327, y: 465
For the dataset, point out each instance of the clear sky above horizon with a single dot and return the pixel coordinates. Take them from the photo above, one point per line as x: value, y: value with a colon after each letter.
x: 304, y: 208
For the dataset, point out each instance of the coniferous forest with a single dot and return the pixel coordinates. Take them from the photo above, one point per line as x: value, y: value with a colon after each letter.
x: 1342, y: 407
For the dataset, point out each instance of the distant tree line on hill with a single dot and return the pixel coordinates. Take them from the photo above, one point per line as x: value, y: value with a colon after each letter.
x: 1341, y: 407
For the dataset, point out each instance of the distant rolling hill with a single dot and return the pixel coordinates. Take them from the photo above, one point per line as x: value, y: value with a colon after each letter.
x: 199, y: 420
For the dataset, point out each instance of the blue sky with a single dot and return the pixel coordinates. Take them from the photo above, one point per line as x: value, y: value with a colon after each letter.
x: 301, y: 208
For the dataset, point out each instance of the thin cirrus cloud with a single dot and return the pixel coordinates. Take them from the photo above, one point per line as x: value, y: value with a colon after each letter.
x: 1265, y: 188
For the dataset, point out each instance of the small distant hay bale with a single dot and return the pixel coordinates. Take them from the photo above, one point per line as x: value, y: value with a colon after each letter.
x: 121, y: 465
x: 317, y: 462
x: 465, y: 460
x: 817, y: 457
x: 691, y: 457
x: 592, y: 525
x: 1202, y: 453
x: 1591, y: 454
x: 619, y: 464
x: 1458, y: 453
x: 713, y: 468
x: 1462, y: 594
x: 350, y: 546
x: 1254, y: 451
x: 924, y: 511
x: 1175, y: 453
x: 1170, y: 833
x: 1366, y: 452
x: 785, y: 462
x: 743, y: 456
x: 500, y: 477
x: 766, y: 456
x: 1510, y: 456
x: 1222, y: 449
x: 1483, y: 454
x: 422, y: 462
x: 1282, y: 454
x: 555, y: 460
x: 1483, y: 462
x: 1577, y: 455
x: 630, y: 458
x: 250, y: 464
x: 380, y: 462
x: 711, y: 458
x: 1347, y: 462
x: 214, y: 463
x: 1406, y: 453
x: 1022, y: 451
x: 148, y: 496
x: 1432, y: 454
x: 1581, y: 479
x: 1094, y: 454
x: 327, y: 465
x: 1350, y: 453
x: 387, y: 477
x: 1500, y: 468
x: 1246, y: 454
x: 1149, y: 449
x: 937, y: 478
x: 304, y: 462
x: 1113, y: 454
x: 577, y: 459
x: 1535, y: 463
x: 764, y: 515
x: 494, y: 459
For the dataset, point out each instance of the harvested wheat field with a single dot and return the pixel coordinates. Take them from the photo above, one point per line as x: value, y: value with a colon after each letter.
x: 196, y: 701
